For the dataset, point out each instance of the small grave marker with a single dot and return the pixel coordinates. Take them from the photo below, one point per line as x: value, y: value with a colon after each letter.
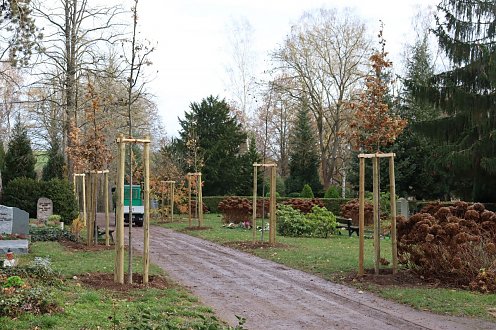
x: 44, y: 209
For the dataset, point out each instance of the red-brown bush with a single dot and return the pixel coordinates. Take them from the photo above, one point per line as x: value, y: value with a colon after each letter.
x: 304, y: 205
x: 235, y: 210
x: 450, y: 243
x: 351, y: 210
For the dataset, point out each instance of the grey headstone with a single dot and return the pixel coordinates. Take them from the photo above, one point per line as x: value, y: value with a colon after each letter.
x: 402, y: 206
x: 18, y: 246
x: 6, y: 219
x: 13, y: 221
x: 44, y: 209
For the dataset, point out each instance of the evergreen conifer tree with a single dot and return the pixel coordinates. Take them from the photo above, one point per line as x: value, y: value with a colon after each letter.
x: 303, y: 157
x: 245, y: 179
x: 54, y: 168
x: 466, y: 94
x: 19, y: 158
x: 212, y: 137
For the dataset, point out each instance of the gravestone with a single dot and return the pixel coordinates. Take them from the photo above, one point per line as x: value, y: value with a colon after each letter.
x: 403, y: 207
x: 44, y: 209
x: 13, y: 221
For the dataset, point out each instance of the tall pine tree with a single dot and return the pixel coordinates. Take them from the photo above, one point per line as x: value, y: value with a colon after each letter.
x: 19, y: 159
x: 466, y: 32
x: 303, y: 157
x: 212, y: 137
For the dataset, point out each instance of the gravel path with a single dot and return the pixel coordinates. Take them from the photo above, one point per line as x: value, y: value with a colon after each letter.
x: 272, y: 296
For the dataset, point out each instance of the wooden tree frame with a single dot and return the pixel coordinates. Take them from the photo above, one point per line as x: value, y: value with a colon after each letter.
x: 119, y: 245
x: 199, y: 198
x: 77, y: 192
x: 92, y: 230
x: 172, y: 185
x: 376, y: 193
x: 272, y: 203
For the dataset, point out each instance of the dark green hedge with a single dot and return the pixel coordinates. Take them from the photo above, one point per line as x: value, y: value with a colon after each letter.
x: 24, y: 193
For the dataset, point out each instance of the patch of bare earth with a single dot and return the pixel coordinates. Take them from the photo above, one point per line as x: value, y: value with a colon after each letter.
x: 247, y: 246
x: 80, y: 246
x: 106, y: 281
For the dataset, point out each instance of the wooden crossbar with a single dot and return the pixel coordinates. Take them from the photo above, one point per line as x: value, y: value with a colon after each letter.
x: 126, y: 140
x: 377, y: 155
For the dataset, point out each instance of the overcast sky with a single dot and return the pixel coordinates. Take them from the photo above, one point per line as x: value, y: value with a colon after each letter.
x: 192, y: 39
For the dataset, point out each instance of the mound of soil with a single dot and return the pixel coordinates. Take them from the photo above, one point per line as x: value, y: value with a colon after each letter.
x: 405, y: 278
x: 80, y: 246
x: 106, y: 281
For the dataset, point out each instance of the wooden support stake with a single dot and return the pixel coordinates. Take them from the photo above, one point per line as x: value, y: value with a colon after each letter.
x: 392, y: 192
x: 377, y: 241
x: 189, y: 200
x: 107, y: 213
x: 119, y: 246
x: 84, y: 201
x: 361, y: 218
x: 146, y: 239
x: 254, y: 205
x: 94, y: 206
x: 171, y: 194
x: 272, y: 209
x: 89, y: 220
x: 200, y: 201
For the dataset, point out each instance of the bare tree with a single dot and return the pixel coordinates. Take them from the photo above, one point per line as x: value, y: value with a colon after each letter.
x: 139, y: 58
x: 322, y: 60
x: 241, y: 65
x: 74, y: 36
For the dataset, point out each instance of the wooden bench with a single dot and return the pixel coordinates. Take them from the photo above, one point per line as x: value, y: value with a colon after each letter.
x: 101, y: 233
x: 345, y: 223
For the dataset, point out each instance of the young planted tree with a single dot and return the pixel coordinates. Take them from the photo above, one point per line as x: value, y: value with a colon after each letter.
x: 373, y: 124
x: 19, y: 159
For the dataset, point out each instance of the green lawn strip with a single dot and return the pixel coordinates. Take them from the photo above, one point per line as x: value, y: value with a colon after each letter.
x: 334, y: 257
x: 444, y: 301
x: 87, y: 308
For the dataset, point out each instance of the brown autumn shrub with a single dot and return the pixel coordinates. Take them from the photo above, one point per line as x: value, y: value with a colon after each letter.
x: 450, y: 243
x: 235, y: 210
x: 351, y: 210
x: 304, y: 205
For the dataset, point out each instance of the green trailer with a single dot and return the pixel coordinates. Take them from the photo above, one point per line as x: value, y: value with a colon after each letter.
x: 138, y: 207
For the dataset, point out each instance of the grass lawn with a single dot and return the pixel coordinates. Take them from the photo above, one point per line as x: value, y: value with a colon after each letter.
x: 87, y: 308
x: 337, y: 256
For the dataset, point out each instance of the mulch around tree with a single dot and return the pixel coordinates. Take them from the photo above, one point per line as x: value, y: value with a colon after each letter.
x: 80, y: 246
x: 247, y: 245
x: 196, y: 228
x: 404, y: 278
x: 106, y: 281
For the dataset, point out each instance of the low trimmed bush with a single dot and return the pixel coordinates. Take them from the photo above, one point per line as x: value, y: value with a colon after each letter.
x: 307, y: 192
x: 50, y: 234
x: 292, y: 222
x: 24, y: 193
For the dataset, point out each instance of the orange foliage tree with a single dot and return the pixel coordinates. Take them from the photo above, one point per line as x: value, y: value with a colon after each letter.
x: 89, y: 150
x: 373, y: 125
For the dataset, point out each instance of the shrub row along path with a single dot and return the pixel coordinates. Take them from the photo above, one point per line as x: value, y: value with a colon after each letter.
x: 273, y: 296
